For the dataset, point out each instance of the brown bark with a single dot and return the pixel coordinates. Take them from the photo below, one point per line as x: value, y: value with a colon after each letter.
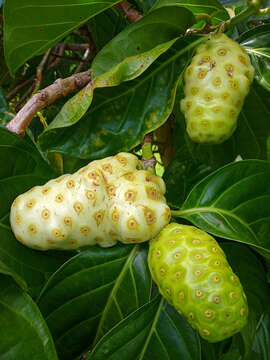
x: 129, y: 12
x: 45, y: 97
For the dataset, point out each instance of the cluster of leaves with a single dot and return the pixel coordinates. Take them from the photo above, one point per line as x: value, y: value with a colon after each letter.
x: 101, y: 303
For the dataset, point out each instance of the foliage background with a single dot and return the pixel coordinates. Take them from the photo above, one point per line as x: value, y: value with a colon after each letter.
x: 101, y: 303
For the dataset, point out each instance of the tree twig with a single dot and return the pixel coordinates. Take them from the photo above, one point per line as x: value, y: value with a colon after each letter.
x: 45, y: 97
x: 40, y: 70
x: 84, y: 33
x: 129, y: 12
x: 60, y: 48
x: 25, y: 95
x: 15, y: 91
x: 76, y: 47
x: 73, y: 58
x: 84, y: 58
x: 3, y: 78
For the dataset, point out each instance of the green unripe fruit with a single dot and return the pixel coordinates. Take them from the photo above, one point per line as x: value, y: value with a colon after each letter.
x: 192, y: 273
x: 215, y: 85
x: 108, y: 200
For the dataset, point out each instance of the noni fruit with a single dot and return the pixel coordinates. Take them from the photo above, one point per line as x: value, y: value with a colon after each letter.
x: 107, y: 200
x: 192, y: 273
x: 215, y: 85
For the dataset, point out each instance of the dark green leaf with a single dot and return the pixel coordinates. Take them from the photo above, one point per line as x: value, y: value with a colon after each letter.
x: 232, y: 2
x: 145, y: 5
x: 153, y: 30
x: 261, y: 343
x: 257, y: 44
x: 233, y: 203
x: 155, y: 331
x: 183, y: 172
x: 30, y: 268
x: 252, y: 135
x: 120, y: 117
x: 116, y: 63
x: 209, y: 7
x: 31, y: 27
x: 105, y: 26
x: 25, y: 168
x: 24, y: 333
x: 97, y: 288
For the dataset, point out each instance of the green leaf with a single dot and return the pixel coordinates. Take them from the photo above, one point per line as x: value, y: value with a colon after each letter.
x: 183, y: 172
x: 233, y: 203
x: 24, y: 333
x: 261, y: 343
x: 24, y: 169
x: 120, y: 117
x: 30, y: 268
x: 209, y: 7
x: 116, y: 63
x: 145, y: 5
x: 153, y: 30
x: 257, y: 44
x: 31, y: 27
x: 252, y: 135
x: 97, y: 288
x: 155, y: 331
x: 105, y: 26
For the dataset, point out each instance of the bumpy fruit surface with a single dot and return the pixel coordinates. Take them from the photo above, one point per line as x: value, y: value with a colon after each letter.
x: 215, y: 85
x: 192, y: 273
x: 107, y: 200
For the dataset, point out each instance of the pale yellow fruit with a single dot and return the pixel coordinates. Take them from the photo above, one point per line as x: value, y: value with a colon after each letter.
x: 108, y: 200
x: 215, y: 85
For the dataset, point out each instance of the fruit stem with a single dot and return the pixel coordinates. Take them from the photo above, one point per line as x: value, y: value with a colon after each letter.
x: 148, y: 159
x: 176, y: 213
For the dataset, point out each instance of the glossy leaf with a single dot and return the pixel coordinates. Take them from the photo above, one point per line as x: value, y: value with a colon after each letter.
x: 261, y: 344
x: 145, y: 5
x: 120, y: 117
x: 183, y: 172
x: 105, y: 26
x: 257, y: 44
x: 24, y: 333
x: 97, y: 288
x: 30, y: 268
x: 233, y: 203
x: 25, y: 168
x: 209, y: 7
x: 31, y: 27
x: 231, y: 2
x: 153, y: 30
x: 116, y: 63
x: 155, y: 331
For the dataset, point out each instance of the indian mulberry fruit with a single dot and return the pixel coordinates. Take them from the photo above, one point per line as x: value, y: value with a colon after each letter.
x: 215, y: 85
x: 192, y: 273
x: 108, y: 200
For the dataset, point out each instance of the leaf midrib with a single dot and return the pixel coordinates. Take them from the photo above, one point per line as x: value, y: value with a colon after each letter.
x: 152, y: 330
x: 212, y: 209
x: 112, y: 296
